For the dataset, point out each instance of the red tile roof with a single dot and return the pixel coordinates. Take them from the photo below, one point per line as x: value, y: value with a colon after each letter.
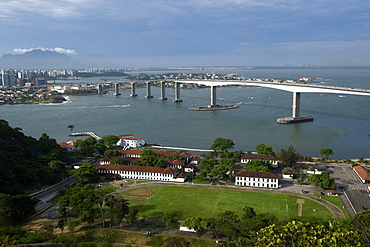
x: 258, y: 156
x: 123, y: 136
x: 174, y: 162
x: 362, y: 172
x: 182, y: 175
x: 67, y: 144
x: 130, y: 152
x: 129, y: 159
x: 287, y: 172
x: 257, y: 174
x: 135, y: 168
x: 158, y: 152
x: 195, y: 158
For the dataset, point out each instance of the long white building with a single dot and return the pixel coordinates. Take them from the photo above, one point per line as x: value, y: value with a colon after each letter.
x: 257, y: 179
x: 141, y: 172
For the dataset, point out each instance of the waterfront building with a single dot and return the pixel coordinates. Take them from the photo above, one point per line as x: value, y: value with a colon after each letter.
x: 129, y: 141
x: 141, y: 173
x: 257, y: 179
x: 249, y: 157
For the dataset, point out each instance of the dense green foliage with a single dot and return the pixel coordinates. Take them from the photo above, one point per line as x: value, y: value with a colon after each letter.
x: 328, y: 152
x: 222, y: 144
x: 149, y: 158
x: 264, y: 149
x: 288, y: 156
x: 15, y: 209
x: 322, y: 180
x: 91, y: 202
x: 258, y: 165
x: 27, y: 162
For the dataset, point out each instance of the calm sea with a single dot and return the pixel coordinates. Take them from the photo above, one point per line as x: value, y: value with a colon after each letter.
x: 341, y: 123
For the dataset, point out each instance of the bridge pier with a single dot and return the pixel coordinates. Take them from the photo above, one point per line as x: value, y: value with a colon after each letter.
x: 177, y: 93
x: 116, y: 89
x: 148, y: 91
x: 100, y: 89
x: 213, y: 95
x: 296, y: 106
x: 133, y: 94
x: 163, y: 91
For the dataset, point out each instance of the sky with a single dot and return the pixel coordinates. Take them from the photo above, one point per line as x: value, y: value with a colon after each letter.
x: 192, y: 32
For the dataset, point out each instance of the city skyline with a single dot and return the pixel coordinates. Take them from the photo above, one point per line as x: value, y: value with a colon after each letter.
x: 192, y: 33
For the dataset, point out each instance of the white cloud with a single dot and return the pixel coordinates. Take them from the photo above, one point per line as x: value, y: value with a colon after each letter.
x: 56, y: 49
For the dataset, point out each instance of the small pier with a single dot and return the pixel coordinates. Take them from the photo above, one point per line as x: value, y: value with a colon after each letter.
x: 92, y: 134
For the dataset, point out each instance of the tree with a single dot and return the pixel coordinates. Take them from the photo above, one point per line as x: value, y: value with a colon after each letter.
x: 288, y: 156
x: 248, y: 212
x: 264, y: 149
x: 199, y: 224
x: 297, y: 233
x: 56, y: 172
x: 71, y: 127
x: 105, y: 200
x: 222, y: 144
x: 220, y: 172
x: 229, y: 224
x: 170, y: 219
x: 321, y: 180
x: 176, y: 242
x: 327, y: 152
x: 119, y: 210
x: 119, y: 161
x: 86, y: 173
x: 15, y: 209
x: 111, y: 153
x: 132, y: 215
x: 361, y: 223
x: 206, y: 165
x: 109, y: 140
x: 258, y: 165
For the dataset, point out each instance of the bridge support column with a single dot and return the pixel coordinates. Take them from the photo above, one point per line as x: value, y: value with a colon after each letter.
x: 133, y: 94
x: 296, y: 106
x: 148, y: 91
x: 116, y: 89
x: 163, y: 91
x: 213, y: 95
x: 99, y: 88
x: 177, y: 93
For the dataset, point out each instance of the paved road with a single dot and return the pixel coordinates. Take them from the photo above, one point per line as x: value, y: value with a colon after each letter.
x: 354, y: 194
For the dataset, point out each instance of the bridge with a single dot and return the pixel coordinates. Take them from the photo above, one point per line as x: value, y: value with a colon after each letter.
x: 92, y: 134
x: 295, y: 88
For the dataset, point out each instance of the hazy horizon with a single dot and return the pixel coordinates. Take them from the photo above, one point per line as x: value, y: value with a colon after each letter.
x: 192, y: 33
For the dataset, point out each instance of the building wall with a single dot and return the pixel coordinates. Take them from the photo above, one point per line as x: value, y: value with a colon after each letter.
x: 257, y: 182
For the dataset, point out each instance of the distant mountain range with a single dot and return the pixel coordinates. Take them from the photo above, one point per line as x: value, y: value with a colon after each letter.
x: 38, y: 59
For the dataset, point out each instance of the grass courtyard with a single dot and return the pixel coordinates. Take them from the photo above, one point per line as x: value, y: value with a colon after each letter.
x: 204, y: 202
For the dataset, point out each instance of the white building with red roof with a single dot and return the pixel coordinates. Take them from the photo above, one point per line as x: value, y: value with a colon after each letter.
x: 141, y: 172
x: 257, y: 179
x: 362, y: 173
x: 129, y: 141
x: 270, y: 158
x: 68, y: 145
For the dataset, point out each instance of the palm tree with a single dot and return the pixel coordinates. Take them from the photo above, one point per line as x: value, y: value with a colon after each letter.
x: 70, y: 127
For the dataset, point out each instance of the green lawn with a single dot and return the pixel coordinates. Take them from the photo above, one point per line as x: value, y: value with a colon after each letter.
x: 209, y: 202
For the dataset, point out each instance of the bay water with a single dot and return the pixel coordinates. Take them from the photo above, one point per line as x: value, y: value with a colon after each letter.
x: 342, y: 122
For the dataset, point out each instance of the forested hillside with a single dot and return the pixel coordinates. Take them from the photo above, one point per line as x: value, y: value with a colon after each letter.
x: 26, y: 162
